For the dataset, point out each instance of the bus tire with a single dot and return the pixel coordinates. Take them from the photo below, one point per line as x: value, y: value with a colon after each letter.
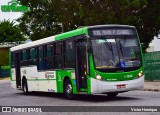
x: 68, y: 90
x: 25, y: 87
x: 112, y: 94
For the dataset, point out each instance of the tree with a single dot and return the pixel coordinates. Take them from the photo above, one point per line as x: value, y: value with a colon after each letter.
x: 4, y: 54
x: 9, y: 32
x: 45, y: 16
x: 41, y: 21
x: 147, y: 22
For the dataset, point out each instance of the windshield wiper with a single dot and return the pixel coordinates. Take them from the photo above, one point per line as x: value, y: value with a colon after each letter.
x: 109, y: 47
x: 121, y: 48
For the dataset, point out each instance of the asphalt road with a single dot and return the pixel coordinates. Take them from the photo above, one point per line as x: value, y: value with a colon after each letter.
x: 13, y: 97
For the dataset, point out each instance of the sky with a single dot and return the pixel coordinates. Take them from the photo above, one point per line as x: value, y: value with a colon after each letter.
x: 155, y: 43
x: 8, y: 15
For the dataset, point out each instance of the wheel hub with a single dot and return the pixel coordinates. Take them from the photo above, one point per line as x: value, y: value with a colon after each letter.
x: 69, y: 89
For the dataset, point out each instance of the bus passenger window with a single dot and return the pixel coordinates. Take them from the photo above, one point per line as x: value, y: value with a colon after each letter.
x: 24, y: 55
x: 32, y: 56
x: 24, y: 58
x: 69, y: 55
x: 58, y: 56
x: 49, y: 57
x: 41, y: 62
x: 32, y: 53
x: 49, y: 50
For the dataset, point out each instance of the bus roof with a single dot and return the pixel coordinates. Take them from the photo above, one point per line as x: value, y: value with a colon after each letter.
x: 65, y: 35
x: 49, y: 39
x: 34, y: 43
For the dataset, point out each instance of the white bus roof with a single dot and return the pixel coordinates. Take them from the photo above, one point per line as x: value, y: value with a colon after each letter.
x: 34, y: 43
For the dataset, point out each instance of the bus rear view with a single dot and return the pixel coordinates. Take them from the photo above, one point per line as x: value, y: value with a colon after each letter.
x: 117, y: 60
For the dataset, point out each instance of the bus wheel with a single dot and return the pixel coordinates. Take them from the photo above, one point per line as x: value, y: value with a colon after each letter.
x: 68, y: 90
x: 112, y: 94
x: 25, y: 87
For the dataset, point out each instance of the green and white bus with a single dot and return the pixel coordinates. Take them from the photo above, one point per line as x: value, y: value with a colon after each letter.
x: 103, y: 59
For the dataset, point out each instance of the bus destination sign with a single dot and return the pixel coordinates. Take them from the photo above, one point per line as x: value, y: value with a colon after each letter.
x: 112, y: 32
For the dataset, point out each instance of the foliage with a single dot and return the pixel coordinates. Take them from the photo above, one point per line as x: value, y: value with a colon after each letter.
x: 4, y: 57
x: 148, y: 22
x: 45, y: 16
x: 9, y: 32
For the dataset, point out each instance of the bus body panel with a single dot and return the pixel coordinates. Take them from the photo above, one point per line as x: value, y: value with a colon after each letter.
x: 53, y: 81
x: 61, y: 75
x: 91, y: 72
x: 73, y: 33
x: 47, y: 85
x: 39, y: 81
x: 98, y: 86
x: 13, y: 75
x: 119, y: 76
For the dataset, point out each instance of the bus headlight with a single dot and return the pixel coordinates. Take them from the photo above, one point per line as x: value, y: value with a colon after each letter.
x: 98, y: 77
x: 140, y: 74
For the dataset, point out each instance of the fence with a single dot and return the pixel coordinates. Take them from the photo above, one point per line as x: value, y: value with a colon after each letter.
x: 152, y: 66
x: 4, y: 71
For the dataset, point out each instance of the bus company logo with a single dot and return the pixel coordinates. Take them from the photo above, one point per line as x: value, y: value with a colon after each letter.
x: 14, y: 6
x: 130, y: 76
x: 49, y: 75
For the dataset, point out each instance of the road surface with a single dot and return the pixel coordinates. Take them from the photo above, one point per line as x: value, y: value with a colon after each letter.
x: 13, y: 97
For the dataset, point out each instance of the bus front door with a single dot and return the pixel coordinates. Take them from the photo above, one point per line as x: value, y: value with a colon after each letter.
x: 81, y: 65
x: 17, y: 68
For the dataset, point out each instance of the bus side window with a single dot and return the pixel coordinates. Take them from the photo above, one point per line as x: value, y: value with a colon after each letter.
x: 58, y: 57
x: 40, y: 56
x: 49, y: 57
x: 69, y: 54
x: 24, y: 58
x: 13, y: 60
x: 32, y: 56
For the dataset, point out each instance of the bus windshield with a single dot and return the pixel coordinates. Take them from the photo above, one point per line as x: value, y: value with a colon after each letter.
x: 116, y: 52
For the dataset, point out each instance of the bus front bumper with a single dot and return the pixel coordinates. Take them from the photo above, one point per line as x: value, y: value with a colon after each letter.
x: 98, y: 86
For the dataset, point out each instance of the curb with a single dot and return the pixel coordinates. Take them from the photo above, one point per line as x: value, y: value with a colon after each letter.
x: 155, y: 90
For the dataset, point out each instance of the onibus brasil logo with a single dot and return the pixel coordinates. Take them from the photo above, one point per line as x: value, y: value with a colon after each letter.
x: 14, y: 6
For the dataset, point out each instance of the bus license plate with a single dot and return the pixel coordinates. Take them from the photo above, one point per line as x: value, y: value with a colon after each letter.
x: 121, y: 86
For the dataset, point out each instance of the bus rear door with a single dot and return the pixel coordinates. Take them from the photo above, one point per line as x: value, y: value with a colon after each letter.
x: 17, y: 68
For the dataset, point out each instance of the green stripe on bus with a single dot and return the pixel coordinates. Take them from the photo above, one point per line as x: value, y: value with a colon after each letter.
x: 37, y: 79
